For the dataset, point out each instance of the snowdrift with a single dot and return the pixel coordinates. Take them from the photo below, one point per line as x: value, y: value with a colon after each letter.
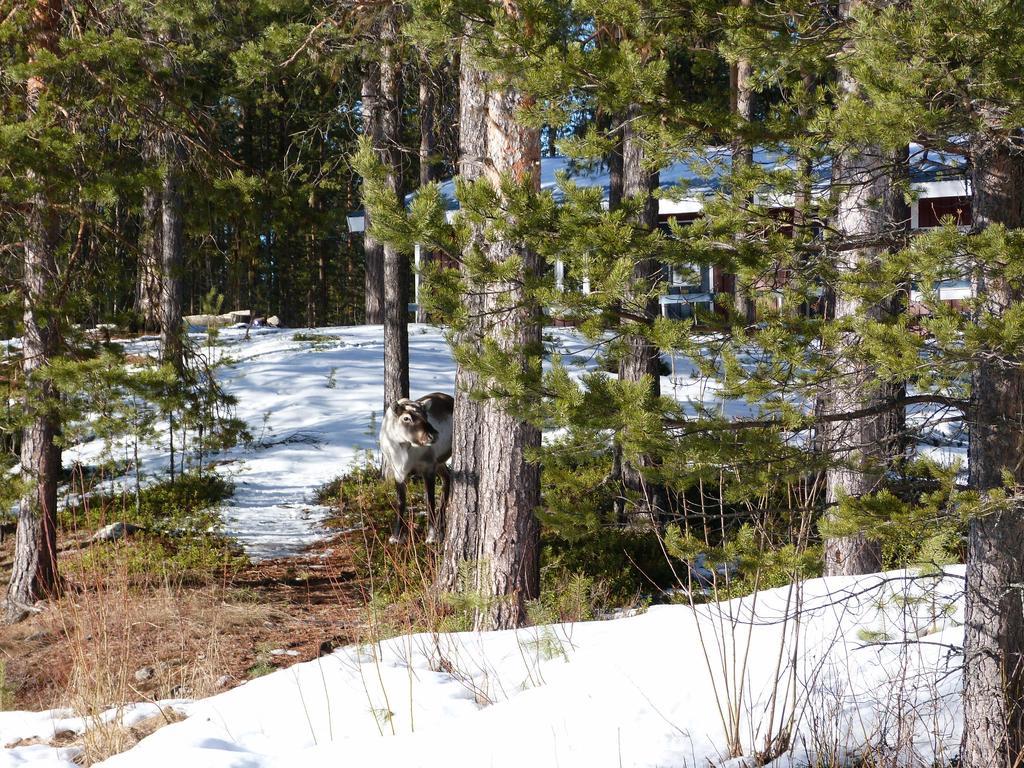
x: 844, y: 665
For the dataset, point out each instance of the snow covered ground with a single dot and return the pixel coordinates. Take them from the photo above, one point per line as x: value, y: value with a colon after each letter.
x: 313, y: 400
x: 313, y: 406
x: 872, y: 663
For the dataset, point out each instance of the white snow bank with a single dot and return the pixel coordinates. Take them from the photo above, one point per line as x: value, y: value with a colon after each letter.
x: 877, y: 661
x: 44, y: 726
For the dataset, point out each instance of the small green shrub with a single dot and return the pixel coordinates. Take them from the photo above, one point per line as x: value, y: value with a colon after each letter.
x: 189, y: 503
x: 568, y: 597
x: 181, y: 536
x: 872, y: 635
x: 189, y: 559
x: 259, y: 669
x: 748, y: 561
x: 317, y: 339
x: 580, y: 534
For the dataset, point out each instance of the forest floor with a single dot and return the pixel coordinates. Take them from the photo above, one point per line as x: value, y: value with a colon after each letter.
x: 111, y: 637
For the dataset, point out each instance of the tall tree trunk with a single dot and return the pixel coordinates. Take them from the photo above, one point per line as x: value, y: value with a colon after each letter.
x: 869, y: 209
x: 492, y: 540
x: 640, y: 358
x: 34, y: 568
x: 151, y: 248
x: 172, y: 266
x: 994, y: 626
x: 430, y: 167
x: 396, y: 263
x: 373, y: 250
x: 742, y: 98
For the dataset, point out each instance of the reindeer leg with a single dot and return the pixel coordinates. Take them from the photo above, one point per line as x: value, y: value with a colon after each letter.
x: 429, y: 483
x: 399, y: 529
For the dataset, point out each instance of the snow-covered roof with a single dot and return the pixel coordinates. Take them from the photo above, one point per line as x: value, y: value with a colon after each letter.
x: 685, y: 182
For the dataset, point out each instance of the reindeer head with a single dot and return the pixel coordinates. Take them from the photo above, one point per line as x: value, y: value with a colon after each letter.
x: 411, y: 424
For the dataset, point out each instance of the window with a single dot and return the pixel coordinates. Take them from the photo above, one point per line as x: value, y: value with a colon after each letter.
x: 932, y: 210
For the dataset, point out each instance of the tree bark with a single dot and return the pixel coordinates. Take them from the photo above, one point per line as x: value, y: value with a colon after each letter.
x: 151, y: 249
x: 172, y: 246
x: 869, y: 206
x: 430, y: 167
x: 372, y: 250
x: 492, y: 539
x: 861, y: 450
x: 640, y: 358
x: 34, y: 569
x: 994, y: 626
x: 742, y: 97
x: 396, y: 263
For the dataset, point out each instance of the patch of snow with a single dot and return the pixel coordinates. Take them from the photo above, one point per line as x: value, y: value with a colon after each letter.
x: 313, y: 400
x: 632, y: 692
x: 47, y: 725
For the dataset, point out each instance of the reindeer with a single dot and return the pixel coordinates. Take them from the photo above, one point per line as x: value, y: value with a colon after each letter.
x: 416, y: 439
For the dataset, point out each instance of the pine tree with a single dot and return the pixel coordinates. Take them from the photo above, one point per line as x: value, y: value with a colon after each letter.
x: 492, y: 545
x: 396, y: 261
x: 147, y: 296
x: 742, y: 97
x: 34, y: 569
x: 961, y: 95
x: 994, y: 624
x: 374, y: 251
x: 869, y: 212
x: 172, y: 261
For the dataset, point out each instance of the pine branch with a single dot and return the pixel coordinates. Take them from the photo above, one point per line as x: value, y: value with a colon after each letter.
x: 812, y: 420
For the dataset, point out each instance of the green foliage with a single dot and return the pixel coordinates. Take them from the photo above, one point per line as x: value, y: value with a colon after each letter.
x: 569, y: 597
x: 925, y: 526
x: 186, y: 505
x: 192, y: 558
x: 181, y: 525
x: 259, y: 669
x: 583, y: 543
x: 872, y: 635
x: 746, y: 562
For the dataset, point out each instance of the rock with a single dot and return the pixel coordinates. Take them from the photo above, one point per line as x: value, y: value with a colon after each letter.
x: 115, y: 531
x: 144, y: 673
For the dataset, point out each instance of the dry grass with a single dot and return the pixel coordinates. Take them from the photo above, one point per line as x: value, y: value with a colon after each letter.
x: 108, y: 633
x: 84, y: 649
x: 104, y: 740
